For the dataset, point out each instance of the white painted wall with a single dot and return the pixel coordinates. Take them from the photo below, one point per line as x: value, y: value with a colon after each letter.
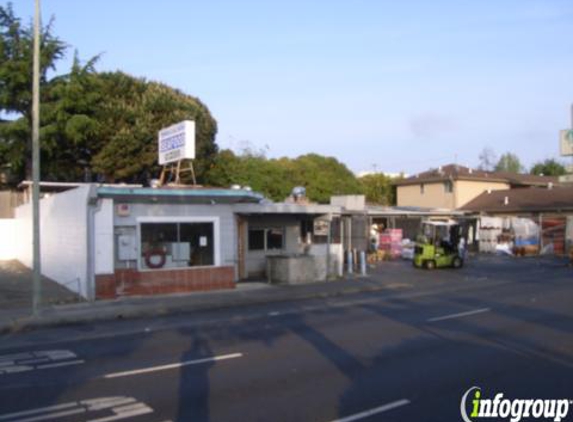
x: 63, y: 234
x: 103, y: 233
x: 8, y: 241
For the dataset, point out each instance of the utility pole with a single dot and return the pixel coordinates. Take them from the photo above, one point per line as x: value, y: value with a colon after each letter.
x: 37, y: 284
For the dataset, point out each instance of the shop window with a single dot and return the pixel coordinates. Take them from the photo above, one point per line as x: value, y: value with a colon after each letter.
x: 266, y: 239
x: 177, y: 245
x: 274, y: 239
x: 316, y: 228
x: 257, y: 240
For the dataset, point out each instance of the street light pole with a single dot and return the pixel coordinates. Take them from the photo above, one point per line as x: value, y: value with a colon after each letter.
x: 37, y: 285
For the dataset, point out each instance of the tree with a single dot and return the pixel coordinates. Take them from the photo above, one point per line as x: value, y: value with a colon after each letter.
x: 323, y: 177
x: 549, y: 167
x: 91, y: 123
x: 510, y: 163
x: 131, y: 114
x: 16, y: 52
x: 70, y: 129
x: 378, y: 189
x: 487, y: 159
x: 275, y: 178
x: 269, y: 177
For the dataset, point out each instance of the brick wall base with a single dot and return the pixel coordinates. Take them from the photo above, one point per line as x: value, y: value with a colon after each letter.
x: 127, y: 282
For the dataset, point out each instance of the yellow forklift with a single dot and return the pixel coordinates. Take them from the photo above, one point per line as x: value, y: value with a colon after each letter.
x: 440, y: 244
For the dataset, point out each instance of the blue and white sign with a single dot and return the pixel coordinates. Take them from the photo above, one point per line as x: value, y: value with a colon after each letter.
x: 566, y: 142
x: 177, y: 142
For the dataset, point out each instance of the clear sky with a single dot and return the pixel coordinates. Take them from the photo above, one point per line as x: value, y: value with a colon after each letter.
x: 390, y: 85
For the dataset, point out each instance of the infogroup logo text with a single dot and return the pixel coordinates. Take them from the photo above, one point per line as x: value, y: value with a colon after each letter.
x: 513, y: 409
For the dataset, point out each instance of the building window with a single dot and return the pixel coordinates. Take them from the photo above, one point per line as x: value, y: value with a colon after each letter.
x: 448, y: 186
x: 311, y: 227
x: 177, y: 245
x: 257, y: 240
x: 274, y: 239
x: 422, y: 189
x: 266, y: 239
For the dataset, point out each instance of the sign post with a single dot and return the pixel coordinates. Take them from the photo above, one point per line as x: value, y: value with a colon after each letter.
x: 175, y: 144
x: 37, y: 261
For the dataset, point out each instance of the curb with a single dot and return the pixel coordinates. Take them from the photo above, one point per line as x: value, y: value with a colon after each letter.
x: 30, y: 323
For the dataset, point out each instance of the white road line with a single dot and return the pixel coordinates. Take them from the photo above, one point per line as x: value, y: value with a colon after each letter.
x: 58, y: 364
x: 125, y: 412
x: 274, y: 313
x: 172, y: 366
x: 120, y: 407
x: 376, y: 410
x: 43, y: 359
x: 51, y: 416
x: 34, y: 411
x: 459, y: 315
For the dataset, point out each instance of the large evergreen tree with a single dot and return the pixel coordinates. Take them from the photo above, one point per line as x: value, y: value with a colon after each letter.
x: 94, y: 126
x: 130, y: 117
x: 16, y: 51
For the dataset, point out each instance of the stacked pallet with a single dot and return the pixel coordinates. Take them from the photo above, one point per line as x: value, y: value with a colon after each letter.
x: 391, y: 242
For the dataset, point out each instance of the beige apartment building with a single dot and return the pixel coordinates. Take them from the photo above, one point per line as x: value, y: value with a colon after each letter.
x: 453, y: 186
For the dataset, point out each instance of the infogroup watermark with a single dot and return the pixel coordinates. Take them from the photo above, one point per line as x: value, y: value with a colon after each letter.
x: 474, y: 407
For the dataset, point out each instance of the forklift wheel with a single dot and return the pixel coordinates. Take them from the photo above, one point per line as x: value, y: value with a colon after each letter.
x: 430, y: 265
x: 457, y: 262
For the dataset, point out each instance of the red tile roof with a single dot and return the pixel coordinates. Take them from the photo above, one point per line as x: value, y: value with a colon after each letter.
x: 457, y: 172
x: 556, y: 199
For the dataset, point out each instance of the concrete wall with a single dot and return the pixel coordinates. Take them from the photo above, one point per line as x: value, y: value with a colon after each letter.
x: 63, y: 223
x: 8, y: 239
x: 9, y: 200
x: 104, y: 237
x: 305, y: 268
x: 435, y: 195
x: 350, y: 202
x: 335, y: 260
x: 256, y: 260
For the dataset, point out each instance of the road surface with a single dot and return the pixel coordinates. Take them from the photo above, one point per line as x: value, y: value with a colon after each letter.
x: 405, y: 354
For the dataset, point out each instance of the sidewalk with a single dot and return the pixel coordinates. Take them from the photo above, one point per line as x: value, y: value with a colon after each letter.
x: 391, y: 276
x: 246, y: 294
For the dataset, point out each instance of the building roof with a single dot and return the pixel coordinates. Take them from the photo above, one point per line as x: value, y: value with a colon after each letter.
x: 284, y: 208
x: 187, y: 195
x: 409, y: 211
x: 457, y: 172
x: 556, y: 199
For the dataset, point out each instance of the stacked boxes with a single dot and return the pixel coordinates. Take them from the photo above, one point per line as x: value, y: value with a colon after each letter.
x: 391, y: 242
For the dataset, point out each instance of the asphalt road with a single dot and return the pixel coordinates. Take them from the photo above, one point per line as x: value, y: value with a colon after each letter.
x: 405, y: 354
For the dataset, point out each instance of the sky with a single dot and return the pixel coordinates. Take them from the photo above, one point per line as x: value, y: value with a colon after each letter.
x: 380, y: 85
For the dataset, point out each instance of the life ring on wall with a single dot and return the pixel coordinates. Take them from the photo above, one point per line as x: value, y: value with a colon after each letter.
x: 152, y: 253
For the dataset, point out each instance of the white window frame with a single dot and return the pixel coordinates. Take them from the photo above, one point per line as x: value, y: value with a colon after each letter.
x: 216, y: 238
